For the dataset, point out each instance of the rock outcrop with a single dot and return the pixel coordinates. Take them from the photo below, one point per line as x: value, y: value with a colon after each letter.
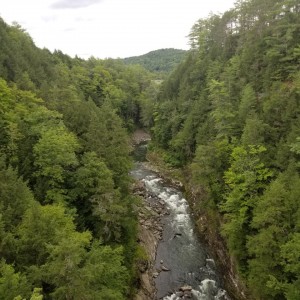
x: 150, y: 232
x: 209, y: 229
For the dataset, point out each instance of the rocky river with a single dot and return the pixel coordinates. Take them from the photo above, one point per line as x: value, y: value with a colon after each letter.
x: 180, y: 265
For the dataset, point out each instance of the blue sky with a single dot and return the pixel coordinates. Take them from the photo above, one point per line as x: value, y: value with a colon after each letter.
x: 110, y: 28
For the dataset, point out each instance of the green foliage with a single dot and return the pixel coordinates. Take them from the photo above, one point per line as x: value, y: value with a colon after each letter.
x: 254, y: 132
x: 290, y: 256
x: 12, y: 284
x: 56, y: 254
x: 54, y: 153
x: 105, y: 268
x: 92, y: 177
x: 207, y: 169
x: 63, y: 266
x: 15, y: 197
x: 247, y: 104
x: 36, y: 295
x: 295, y: 147
x: 230, y: 114
x: 64, y: 171
x: 222, y: 113
x: 276, y: 219
x: 246, y: 179
x: 106, y: 137
x: 161, y: 61
x: 99, y: 202
x: 42, y: 226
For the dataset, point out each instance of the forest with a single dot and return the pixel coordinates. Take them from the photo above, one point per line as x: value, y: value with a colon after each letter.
x: 161, y: 61
x: 68, y: 219
x: 228, y: 116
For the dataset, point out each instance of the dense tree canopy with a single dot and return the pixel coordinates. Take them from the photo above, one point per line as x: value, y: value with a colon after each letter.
x: 160, y: 61
x: 67, y: 217
x: 230, y: 114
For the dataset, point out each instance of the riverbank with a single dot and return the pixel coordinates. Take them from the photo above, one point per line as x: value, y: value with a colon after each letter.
x: 150, y: 227
x: 140, y: 136
x: 149, y: 230
x: 208, y: 224
x: 154, y: 216
x: 149, y: 234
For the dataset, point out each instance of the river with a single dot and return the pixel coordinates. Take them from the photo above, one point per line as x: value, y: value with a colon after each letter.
x: 188, y: 271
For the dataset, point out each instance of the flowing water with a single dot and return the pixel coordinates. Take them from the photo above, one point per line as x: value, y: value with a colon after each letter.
x: 180, y: 252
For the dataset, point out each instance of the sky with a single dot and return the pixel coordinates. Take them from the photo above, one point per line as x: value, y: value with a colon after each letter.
x: 109, y: 28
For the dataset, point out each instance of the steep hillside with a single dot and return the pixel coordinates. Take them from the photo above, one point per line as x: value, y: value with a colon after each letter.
x: 230, y: 114
x: 68, y: 221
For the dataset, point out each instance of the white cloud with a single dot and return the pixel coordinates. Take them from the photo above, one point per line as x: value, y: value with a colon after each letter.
x: 63, y: 4
x: 50, y: 18
x: 114, y: 28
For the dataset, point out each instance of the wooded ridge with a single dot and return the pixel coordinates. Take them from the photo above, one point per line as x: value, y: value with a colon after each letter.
x: 161, y: 61
x: 68, y: 221
x: 230, y: 115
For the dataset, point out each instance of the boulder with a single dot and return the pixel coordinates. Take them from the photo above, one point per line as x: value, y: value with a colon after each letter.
x: 163, y: 268
x: 186, y: 288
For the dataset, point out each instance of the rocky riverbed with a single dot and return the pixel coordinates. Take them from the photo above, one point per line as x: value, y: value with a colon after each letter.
x: 150, y: 233
x: 151, y: 226
x: 177, y: 265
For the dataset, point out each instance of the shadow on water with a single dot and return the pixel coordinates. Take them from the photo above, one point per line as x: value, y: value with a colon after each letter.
x: 185, y: 269
x: 140, y: 151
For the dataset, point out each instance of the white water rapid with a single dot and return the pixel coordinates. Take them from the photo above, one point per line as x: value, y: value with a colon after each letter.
x: 187, y: 270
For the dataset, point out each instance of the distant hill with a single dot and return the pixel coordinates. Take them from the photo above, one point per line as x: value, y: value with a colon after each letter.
x: 162, y: 60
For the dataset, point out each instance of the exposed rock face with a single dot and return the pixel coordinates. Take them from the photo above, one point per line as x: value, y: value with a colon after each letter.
x: 150, y: 232
x: 209, y: 229
x: 140, y: 136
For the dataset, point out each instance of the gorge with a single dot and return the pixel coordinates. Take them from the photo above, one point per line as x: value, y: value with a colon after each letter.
x: 182, y: 266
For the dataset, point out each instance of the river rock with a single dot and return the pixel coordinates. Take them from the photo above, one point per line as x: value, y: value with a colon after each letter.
x: 142, y: 266
x: 177, y: 234
x: 148, y: 223
x: 160, y: 229
x: 179, y: 294
x: 149, y: 235
x: 187, y: 295
x: 148, y: 208
x: 163, y: 268
x: 186, y: 288
x: 140, y: 136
